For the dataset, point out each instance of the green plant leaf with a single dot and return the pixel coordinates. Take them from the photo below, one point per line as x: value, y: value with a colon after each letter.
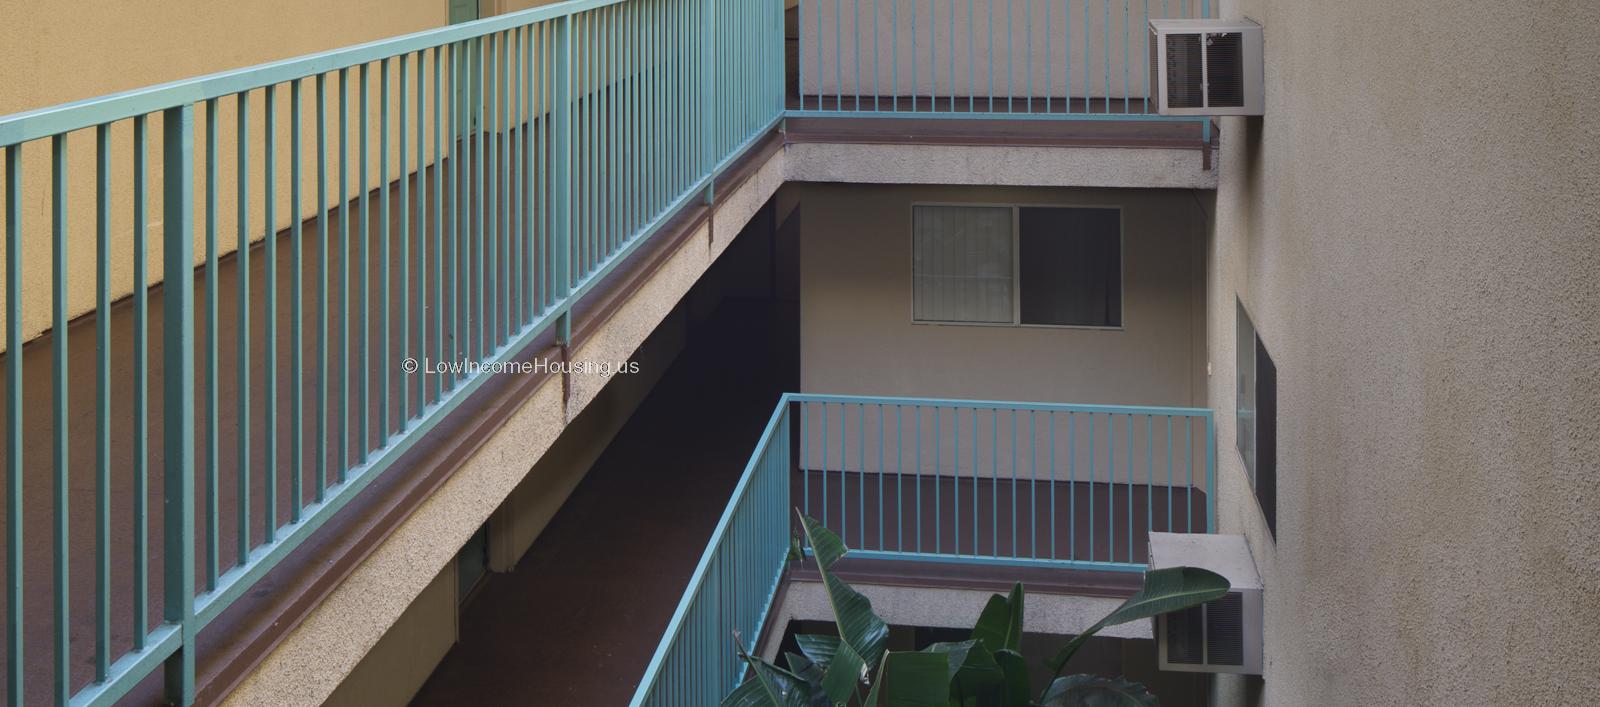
x: 877, y: 683
x: 1096, y: 691
x: 858, y: 625
x: 956, y: 651
x: 844, y: 674
x: 920, y: 679
x: 979, y: 677
x: 999, y: 626
x: 805, y: 669
x: 819, y: 648
x: 1165, y: 590
x: 1015, y: 669
x: 769, y: 686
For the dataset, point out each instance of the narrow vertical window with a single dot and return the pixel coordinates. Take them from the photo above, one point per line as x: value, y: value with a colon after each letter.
x: 1257, y: 416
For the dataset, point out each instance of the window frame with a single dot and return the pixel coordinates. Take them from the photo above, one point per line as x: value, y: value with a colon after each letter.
x: 1252, y: 462
x: 1016, y: 265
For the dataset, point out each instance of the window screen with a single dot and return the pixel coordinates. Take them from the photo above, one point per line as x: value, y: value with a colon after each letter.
x: 1070, y: 266
x: 1257, y: 428
x: 962, y: 264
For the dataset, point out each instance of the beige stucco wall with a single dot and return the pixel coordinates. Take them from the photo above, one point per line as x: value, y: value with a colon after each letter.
x: 53, y: 53
x: 1006, y: 48
x: 1415, y: 228
x: 857, y: 335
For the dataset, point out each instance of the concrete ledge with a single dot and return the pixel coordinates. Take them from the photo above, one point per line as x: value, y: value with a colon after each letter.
x: 1067, y: 166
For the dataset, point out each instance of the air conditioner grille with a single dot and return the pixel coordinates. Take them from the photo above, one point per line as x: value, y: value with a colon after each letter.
x: 1225, y: 630
x: 1184, y: 636
x: 1225, y: 70
x: 1184, y: 71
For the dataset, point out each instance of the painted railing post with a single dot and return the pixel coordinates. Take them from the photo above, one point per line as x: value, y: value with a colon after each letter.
x: 708, y: 94
x: 1211, y: 473
x: 178, y: 398
x: 561, y: 174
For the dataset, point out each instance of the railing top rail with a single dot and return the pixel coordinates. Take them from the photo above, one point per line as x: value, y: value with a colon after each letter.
x: 53, y: 120
x: 999, y: 405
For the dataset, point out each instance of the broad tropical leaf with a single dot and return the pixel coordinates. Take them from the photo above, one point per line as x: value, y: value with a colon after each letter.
x: 999, y: 627
x: 805, y: 669
x: 1165, y: 590
x: 845, y: 673
x: 957, y: 652
x: 920, y: 679
x: 819, y: 648
x: 1015, y: 669
x: 769, y: 686
x: 1096, y: 691
x: 858, y: 625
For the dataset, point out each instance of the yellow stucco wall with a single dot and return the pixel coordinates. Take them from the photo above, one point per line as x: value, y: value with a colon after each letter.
x: 55, y: 52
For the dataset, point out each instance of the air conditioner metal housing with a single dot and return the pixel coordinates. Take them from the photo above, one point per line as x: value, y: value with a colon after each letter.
x: 1221, y: 636
x: 1206, y: 67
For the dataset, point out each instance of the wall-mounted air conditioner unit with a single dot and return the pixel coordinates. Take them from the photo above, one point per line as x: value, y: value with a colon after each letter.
x: 1220, y: 636
x: 1206, y: 67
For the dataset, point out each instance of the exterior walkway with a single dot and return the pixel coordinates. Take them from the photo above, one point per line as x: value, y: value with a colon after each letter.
x: 578, y: 620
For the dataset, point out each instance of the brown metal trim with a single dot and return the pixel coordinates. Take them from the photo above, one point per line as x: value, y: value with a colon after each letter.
x: 373, y: 516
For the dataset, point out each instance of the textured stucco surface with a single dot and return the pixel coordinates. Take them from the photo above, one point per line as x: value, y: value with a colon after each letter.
x: 314, y: 658
x: 1415, y: 229
x: 1156, y: 168
x: 55, y: 52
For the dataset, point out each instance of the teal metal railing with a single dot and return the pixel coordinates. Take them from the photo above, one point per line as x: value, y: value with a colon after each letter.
x: 969, y: 481
x: 483, y: 217
x: 731, y: 590
x: 1007, y: 59
x: 1004, y: 482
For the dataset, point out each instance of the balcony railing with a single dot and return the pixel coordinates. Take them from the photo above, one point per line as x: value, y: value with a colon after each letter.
x: 532, y: 152
x: 1006, y: 59
x: 968, y: 481
x: 497, y: 172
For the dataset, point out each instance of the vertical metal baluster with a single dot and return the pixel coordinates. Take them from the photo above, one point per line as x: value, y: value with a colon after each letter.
x: 178, y: 395
x: 1127, y: 467
x: 15, y: 658
x: 1149, y: 474
x: 1033, y: 483
x: 242, y: 315
x: 1091, y: 486
x: 955, y: 466
x: 58, y: 337
x: 994, y: 481
x: 345, y: 365
x: 805, y: 458
x: 405, y: 235
x: 1211, y: 469
x: 438, y: 216
x: 457, y: 202
x: 297, y: 311
x: 938, y: 481
x: 141, y: 386
x: 881, y: 473
x: 974, y: 494
x: 916, y: 412
x: 1050, y: 421
x: 270, y: 250
x: 824, y: 425
x: 561, y: 177
x: 477, y: 235
x: 1072, y: 487
x: 363, y: 366
x: 384, y: 381
x: 102, y: 412
x: 1188, y: 449
x: 1125, y: 28
x: 322, y: 288
x: 489, y: 229
x: 211, y: 347
x: 899, y: 479
x: 1168, y: 528
x: 421, y: 376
